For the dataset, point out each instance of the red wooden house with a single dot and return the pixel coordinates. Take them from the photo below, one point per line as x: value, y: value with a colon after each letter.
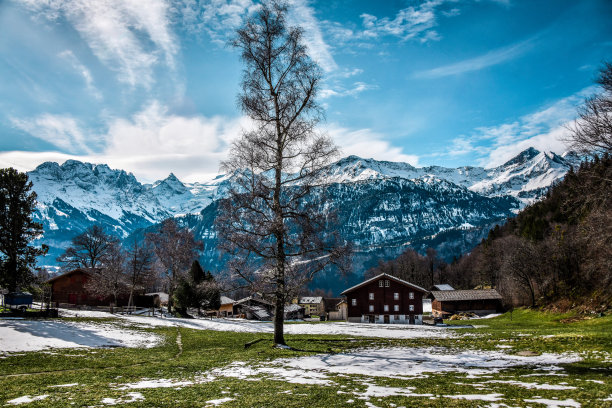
x: 385, y: 299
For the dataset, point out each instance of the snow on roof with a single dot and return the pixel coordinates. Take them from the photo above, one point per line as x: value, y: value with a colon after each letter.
x: 443, y: 286
x: 226, y: 301
x: 454, y: 295
x: 311, y: 299
x: 293, y: 308
x: 412, y: 285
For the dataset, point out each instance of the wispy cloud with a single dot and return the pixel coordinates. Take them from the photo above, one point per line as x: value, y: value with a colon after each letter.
x: 544, y: 129
x: 62, y: 131
x: 414, y: 22
x: 81, y: 69
x: 491, y: 58
x: 126, y: 35
x: 303, y: 15
x: 354, y: 90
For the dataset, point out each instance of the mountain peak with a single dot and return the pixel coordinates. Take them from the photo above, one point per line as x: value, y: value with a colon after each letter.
x: 522, y: 157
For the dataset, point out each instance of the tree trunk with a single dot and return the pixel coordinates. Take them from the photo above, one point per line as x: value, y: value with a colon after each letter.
x: 279, y: 311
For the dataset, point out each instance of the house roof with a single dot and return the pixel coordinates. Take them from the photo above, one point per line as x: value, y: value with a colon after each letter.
x: 226, y: 301
x: 385, y: 275
x: 311, y: 299
x: 253, y: 298
x: 443, y: 286
x: 455, y: 295
x: 293, y: 308
x: 78, y: 270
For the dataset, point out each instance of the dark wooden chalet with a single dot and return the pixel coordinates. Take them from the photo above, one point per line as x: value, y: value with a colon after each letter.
x: 385, y: 299
x: 70, y: 287
x: 449, y: 302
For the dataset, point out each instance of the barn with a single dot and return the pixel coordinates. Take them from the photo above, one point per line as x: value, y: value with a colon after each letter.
x: 70, y: 288
x: 449, y: 302
x: 385, y: 299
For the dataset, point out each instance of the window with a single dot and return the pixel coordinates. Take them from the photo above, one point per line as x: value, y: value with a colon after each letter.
x: 380, y: 283
x: 411, y: 308
x: 386, y: 308
x: 396, y: 308
x: 386, y: 283
x: 371, y: 308
x: 411, y: 295
x: 371, y: 295
x: 396, y: 296
x: 354, y: 302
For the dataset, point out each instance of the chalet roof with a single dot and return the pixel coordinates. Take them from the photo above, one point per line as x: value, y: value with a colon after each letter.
x: 443, y: 286
x: 310, y: 299
x: 455, y: 295
x: 78, y: 270
x: 226, y: 301
x: 254, y: 298
x: 385, y: 275
x: 293, y: 308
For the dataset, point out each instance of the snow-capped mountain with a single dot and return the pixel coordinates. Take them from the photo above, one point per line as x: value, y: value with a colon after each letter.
x: 382, y: 206
x: 525, y: 177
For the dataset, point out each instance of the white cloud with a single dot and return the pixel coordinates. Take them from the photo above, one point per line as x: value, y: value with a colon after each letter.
x: 544, y: 129
x: 477, y: 63
x: 155, y: 142
x: 414, y: 22
x: 62, y: 131
x: 303, y: 15
x: 151, y: 144
x: 356, y: 89
x: 126, y: 35
x: 368, y: 144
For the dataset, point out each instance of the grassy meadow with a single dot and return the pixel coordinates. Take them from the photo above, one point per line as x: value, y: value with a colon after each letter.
x: 194, y: 366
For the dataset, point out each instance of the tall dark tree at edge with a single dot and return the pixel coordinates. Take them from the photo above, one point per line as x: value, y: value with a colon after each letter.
x: 17, y: 229
x: 275, y: 237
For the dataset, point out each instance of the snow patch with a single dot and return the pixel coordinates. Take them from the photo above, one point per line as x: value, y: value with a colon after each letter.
x: 26, y: 399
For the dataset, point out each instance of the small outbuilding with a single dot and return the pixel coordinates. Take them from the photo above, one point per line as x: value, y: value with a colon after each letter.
x: 478, y: 301
x: 385, y: 299
x: 227, y: 307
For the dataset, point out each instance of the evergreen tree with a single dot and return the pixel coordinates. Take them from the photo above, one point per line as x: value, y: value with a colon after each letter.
x: 17, y: 230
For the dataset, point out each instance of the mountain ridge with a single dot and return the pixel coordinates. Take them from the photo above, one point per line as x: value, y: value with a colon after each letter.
x: 422, y: 202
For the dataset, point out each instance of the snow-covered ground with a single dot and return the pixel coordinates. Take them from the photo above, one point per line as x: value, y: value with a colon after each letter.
x: 35, y: 335
x: 349, y: 329
x: 402, y: 363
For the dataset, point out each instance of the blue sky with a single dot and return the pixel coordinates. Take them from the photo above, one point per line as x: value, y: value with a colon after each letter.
x: 150, y: 87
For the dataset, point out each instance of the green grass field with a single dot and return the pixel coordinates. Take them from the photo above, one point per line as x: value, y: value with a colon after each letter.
x: 99, y: 377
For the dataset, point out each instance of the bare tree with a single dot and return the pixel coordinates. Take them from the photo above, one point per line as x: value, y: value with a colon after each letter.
x: 140, y: 258
x: 276, y: 238
x: 591, y: 133
x: 175, y: 248
x: 110, y: 278
x: 521, y: 264
x: 88, y: 249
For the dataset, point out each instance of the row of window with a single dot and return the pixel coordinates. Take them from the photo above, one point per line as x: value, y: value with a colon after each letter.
x: 395, y: 308
x: 395, y: 296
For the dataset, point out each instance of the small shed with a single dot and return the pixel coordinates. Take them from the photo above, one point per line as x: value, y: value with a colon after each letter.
x: 340, y: 312
x: 294, y: 312
x: 253, y: 307
x: 227, y: 307
x: 449, y: 302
